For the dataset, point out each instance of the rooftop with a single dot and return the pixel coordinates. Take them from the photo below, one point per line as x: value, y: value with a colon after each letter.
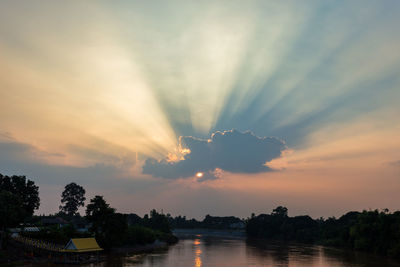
x: 82, y: 245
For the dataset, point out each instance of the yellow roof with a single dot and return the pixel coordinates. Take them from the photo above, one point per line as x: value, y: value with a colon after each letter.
x: 82, y: 245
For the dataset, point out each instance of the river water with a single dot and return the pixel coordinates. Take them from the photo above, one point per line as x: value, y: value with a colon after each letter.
x: 203, y: 250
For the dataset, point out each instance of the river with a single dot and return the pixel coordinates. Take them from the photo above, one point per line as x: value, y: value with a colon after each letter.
x: 203, y: 250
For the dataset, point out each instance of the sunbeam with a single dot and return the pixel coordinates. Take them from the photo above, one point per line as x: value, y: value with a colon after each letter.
x: 185, y: 96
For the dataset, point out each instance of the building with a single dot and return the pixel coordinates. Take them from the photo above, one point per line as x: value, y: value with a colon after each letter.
x: 82, y: 245
x: 54, y: 221
x: 80, y: 251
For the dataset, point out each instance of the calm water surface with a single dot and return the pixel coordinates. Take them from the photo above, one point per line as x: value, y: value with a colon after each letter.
x: 203, y: 250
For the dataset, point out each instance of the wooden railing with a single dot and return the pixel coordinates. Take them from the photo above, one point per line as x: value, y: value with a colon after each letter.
x: 38, y: 243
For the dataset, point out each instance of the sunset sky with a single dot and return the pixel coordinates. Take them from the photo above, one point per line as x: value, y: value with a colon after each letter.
x: 204, y: 107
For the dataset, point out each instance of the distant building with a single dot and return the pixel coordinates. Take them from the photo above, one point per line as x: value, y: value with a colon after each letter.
x: 229, y: 222
x: 54, y: 221
x: 31, y: 229
x: 237, y: 225
x: 81, y: 224
x: 15, y: 231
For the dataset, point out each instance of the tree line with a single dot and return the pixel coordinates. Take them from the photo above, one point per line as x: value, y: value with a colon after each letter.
x: 371, y: 231
x: 209, y: 222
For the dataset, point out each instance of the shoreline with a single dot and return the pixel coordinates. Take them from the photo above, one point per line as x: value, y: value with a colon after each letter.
x: 15, y: 256
x: 227, y: 233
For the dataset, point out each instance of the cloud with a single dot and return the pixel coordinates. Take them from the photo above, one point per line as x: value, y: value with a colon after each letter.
x: 13, y: 150
x: 395, y: 163
x: 232, y: 151
x: 6, y: 136
x: 18, y: 158
x: 112, y: 178
x: 25, y: 159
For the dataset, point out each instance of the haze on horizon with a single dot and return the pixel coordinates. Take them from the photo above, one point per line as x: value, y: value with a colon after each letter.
x: 207, y: 107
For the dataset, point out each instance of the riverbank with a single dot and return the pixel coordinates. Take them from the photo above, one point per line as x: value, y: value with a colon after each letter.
x: 227, y: 233
x: 15, y: 255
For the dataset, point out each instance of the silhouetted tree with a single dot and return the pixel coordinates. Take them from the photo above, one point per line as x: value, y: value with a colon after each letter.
x: 24, y: 189
x: 114, y: 230
x: 158, y: 221
x: 280, y: 211
x: 279, y: 226
x: 10, y: 209
x: 97, y: 210
x: 19, y: 197
x: 108, y: 226
x: 72, y: 198
x: 10, y: 212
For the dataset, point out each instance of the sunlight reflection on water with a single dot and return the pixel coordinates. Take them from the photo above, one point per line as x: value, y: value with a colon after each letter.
x: 197, y: 258
x: 204, y: 251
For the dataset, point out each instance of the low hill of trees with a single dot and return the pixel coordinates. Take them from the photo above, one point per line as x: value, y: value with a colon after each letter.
x: 372, y: 231
x: 209, y: 222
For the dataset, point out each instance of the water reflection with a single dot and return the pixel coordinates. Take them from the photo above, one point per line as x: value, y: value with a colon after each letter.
x: 197, y: 259
x: 204, y: 250
x: 274, y: 253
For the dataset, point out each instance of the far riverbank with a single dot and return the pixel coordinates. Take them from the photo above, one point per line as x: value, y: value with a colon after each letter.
x: 227, y: 233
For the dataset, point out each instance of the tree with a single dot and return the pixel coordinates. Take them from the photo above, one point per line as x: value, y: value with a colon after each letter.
x: 114, y: 230
x: 24, y: 189
x: 280, y: 211
x: 159, y: 221
x: 72, y: 197
x: 108, y: 226
x: 10, y: 212
x: 97, y: 209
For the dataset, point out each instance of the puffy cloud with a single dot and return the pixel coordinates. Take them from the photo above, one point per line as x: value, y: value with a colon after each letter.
x: 231, y: 151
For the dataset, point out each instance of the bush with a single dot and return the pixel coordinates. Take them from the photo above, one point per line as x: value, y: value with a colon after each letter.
x: 139, y: 235
x: 166, y: 237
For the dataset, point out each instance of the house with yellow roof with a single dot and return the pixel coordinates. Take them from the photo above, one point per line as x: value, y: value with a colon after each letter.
x: 82, y: 245
x: 80, y: 251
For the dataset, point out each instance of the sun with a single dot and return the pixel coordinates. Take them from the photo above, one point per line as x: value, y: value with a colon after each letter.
x: 199, y: 174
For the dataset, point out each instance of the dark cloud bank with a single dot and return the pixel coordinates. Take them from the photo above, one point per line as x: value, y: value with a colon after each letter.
x: 231, y: 151
x: 18, y: 158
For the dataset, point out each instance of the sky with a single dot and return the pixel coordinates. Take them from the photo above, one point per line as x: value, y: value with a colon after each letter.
x: 204, y: 107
